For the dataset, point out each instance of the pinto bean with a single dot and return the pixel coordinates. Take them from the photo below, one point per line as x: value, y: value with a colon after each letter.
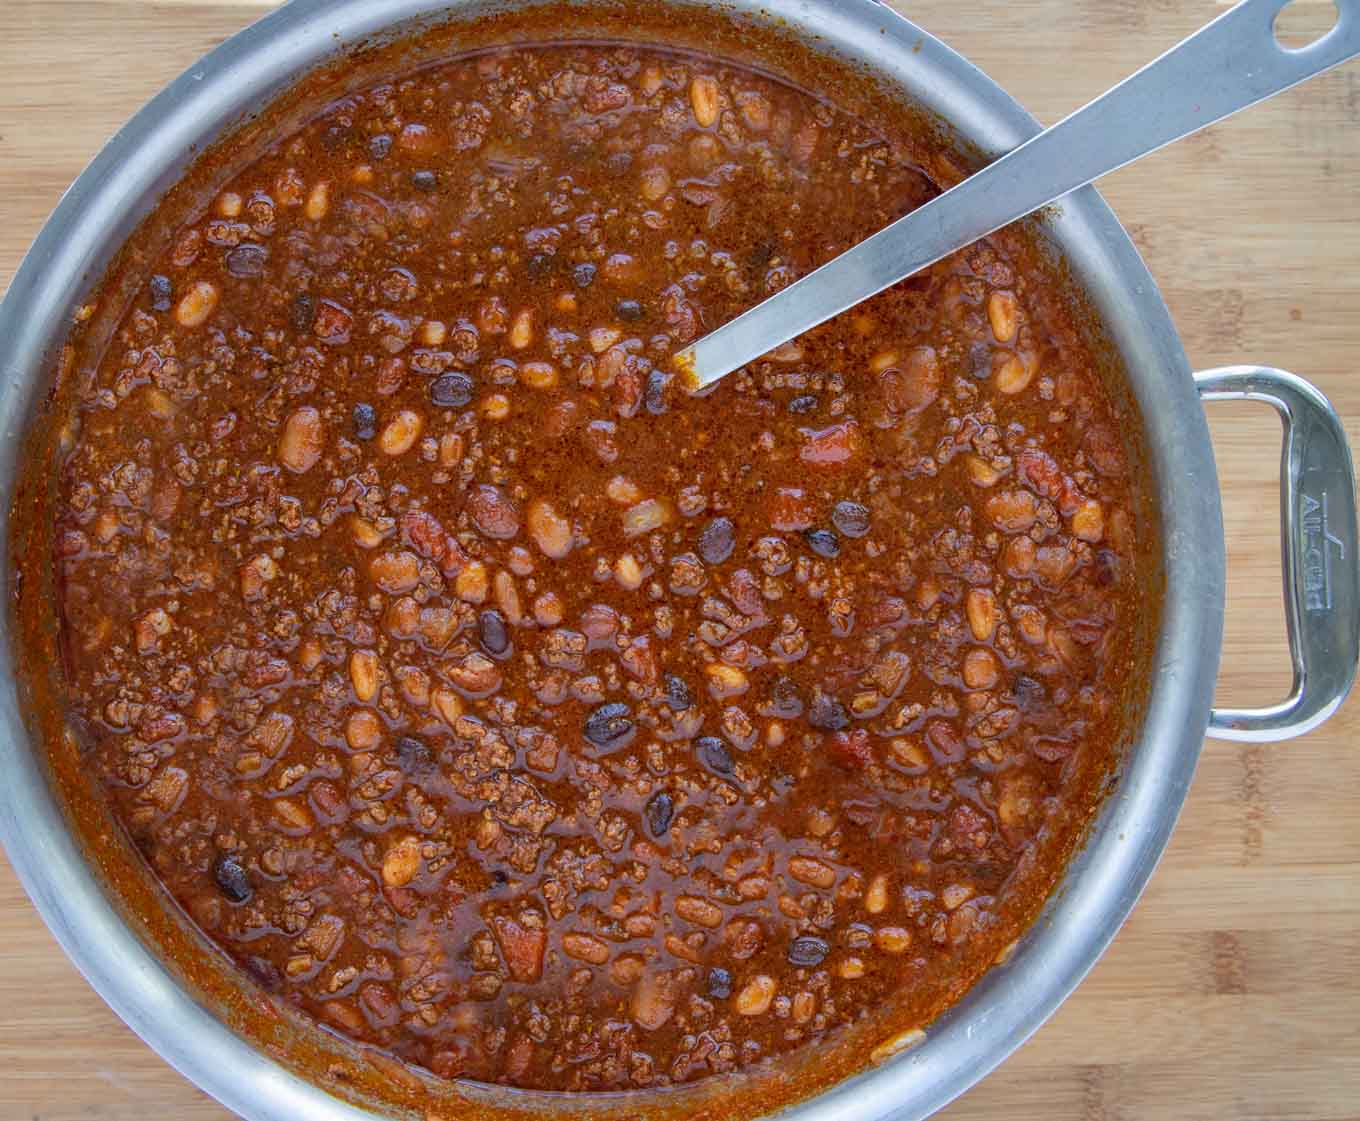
x: 303, y: 439
x: 401, y: 433
x: 550, y: 531
x: 197, y: 304
x: 703, y: 99
x: 757, y: 995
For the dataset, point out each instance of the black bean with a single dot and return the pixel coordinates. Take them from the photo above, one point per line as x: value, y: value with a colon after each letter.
x: 677, y: 692
x: 247, y: 260
x: 760, y: 256
x: 827, y: 713
x: 630, y: 311
x: 1029, y: 692
x: 1107, y: 568
x: 500, y: 877
x: 414, y: 755
x: 379, y: 146
x: 851, y: 518
x: 162, y: 293
x: 232, y: 879
x: 823, y: 542
x: 654, y: 396
x: 540, y: 265
x: 717, y: 540
x: 660, y: 813
x: 714, y: 755
x: 583, y: 274
x: 719, y: 983
x: 611, y: 726
x: 495, y: 635
x: 427, y: 181
x: 980, y: 360
x: 804, y: 404
x: 807, y: 950
x: 303, y: 312
x: 365, y: 421
x: 265, y: 972
x: 452, y: 390
x: 785, y: 701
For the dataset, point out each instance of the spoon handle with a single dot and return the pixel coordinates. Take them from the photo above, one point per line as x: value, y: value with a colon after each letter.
x: 1229, y: 65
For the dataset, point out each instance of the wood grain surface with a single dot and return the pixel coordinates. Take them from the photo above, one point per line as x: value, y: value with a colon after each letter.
x: 1234, y: 990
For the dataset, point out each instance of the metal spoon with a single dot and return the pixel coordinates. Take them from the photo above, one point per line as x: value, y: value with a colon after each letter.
x: 1229, y: 65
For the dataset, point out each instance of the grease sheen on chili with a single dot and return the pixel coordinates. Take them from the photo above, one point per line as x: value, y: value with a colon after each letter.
x: 494, y: 703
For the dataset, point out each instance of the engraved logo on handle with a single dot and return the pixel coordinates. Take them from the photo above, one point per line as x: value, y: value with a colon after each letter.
x: 1318, y: 546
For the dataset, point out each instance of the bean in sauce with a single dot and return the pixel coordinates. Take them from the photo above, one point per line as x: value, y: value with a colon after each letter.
x: 501, y: 708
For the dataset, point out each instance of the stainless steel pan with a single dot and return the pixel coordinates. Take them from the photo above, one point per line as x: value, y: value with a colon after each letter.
x: 1105, y: 878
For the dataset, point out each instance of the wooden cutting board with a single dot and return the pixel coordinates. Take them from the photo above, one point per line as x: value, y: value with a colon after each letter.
x: 1234, y: 990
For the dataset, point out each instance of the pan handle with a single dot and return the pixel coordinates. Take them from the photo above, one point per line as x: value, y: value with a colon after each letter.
x: 1320, y: 555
